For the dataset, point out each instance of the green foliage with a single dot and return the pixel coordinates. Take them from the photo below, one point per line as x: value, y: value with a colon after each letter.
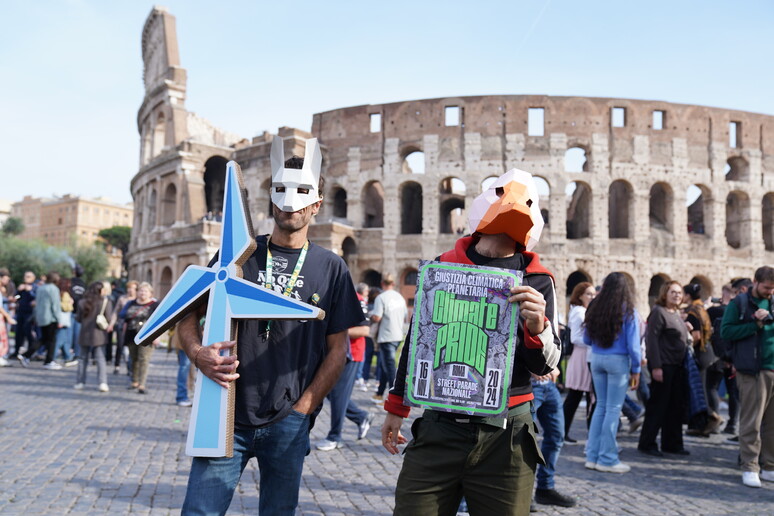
x: 13, y: 226
x: 119, y: 238
x: 20, y: 256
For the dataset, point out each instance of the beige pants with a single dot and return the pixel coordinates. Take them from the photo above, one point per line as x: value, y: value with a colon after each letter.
x: 756, y: 420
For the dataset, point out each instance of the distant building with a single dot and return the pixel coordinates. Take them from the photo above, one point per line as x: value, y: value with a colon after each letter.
x: 59, y: 220
x: 5, y: 210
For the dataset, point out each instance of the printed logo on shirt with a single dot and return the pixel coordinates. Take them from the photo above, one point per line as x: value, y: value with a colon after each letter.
x: 279, y: 263
x: 279, y: 281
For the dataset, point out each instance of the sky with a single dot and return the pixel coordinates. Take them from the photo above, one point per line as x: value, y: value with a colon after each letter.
x: 72, y: 69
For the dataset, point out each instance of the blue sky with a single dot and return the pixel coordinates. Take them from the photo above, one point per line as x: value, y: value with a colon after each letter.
x: 72, y: 69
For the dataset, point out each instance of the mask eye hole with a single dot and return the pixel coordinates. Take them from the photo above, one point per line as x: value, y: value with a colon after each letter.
x: 500, y: 191
x: 279, y: 189
x: 529, y: 203
x: 303, y: 191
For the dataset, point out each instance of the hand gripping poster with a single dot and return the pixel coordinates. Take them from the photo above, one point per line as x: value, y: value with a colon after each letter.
x: 463, y: 339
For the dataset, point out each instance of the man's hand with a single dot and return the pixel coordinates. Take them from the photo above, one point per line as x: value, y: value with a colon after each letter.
x: 658, y: 375
x: 219, y: 369
x: 552, y: 376
x: 532, y: 307
x: 391, y: 436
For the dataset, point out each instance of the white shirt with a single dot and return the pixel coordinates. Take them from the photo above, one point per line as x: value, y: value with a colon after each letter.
x: 391, y: 307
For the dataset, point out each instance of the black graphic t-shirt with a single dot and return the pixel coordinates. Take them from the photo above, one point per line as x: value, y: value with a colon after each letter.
x: 275, y: 371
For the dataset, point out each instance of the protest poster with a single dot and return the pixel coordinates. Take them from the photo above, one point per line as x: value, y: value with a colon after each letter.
x: 463, y: 339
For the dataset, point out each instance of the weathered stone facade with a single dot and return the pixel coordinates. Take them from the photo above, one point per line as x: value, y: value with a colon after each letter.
x: 654, y: 189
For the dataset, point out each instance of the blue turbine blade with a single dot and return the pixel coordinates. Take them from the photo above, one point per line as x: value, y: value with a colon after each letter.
x: 250, y: 301
x: 191, y: 285
x: 235, y: 233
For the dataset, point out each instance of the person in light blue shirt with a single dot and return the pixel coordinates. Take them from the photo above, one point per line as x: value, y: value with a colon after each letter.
x: 613, y: 332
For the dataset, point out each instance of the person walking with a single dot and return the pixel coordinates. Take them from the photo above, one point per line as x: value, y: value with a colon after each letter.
x: 117, y: 324
x: 666, y: 342
x: 135, y: 313
x: 93, y: 336
x: 64, y: 344
x: 48, y: 310
x: 578, y: 381
x: 390, y: 311
x: 25, y: 326
x: 613, y: 332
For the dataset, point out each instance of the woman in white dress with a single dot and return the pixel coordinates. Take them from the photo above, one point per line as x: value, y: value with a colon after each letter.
x: 578, y: 374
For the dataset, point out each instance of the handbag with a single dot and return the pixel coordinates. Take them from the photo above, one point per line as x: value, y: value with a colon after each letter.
x: 101, y: 321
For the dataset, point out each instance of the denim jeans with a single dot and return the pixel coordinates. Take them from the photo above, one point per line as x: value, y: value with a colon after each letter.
x: 75, y: 327
x: 183, y: 366
x: 631, y: 409
x: 64, y: 344
x: 341, y: 404
x: 280, y: 449
x: 387, y: 365
x: 365, y: 365
x: 611, y: 380
x: 548, y: 412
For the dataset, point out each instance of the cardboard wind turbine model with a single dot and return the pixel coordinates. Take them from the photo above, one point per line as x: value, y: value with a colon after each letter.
x: 211, y: 430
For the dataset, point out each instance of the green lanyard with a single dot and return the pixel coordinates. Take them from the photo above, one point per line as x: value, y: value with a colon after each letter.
x: 293, y: 277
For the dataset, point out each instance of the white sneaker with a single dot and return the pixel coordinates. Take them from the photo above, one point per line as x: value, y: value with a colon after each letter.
x: 326, y: 445
x: 615, y: 468
x: 590, y: 465
x: 103, y: 387
x: 751, y: 479
x: 365, y: 425
x: 768, y: 476
x: 3, y: 362
x: 70, y: 363
x: 78, y: 386
x: 52, y: 366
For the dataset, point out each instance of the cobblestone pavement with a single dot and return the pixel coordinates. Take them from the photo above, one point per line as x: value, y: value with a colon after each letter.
x: 84, y: 452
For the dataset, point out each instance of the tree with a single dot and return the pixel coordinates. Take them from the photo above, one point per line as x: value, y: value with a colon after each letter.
x: 22, y: 255
x: 119, y: 238
x: 93, y: 260
x: 13, y: 226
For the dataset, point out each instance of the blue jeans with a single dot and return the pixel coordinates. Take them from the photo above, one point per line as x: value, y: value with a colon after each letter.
x: 548, y: 411
x: 386, y: 365
x: 365, y: 365
x: 280, y: 449
x: 63, y: 343
x: 75, y: 327
x: 341, y: 404
x: 183, y: 367
x: 631, y: 409
x: 611, y: 380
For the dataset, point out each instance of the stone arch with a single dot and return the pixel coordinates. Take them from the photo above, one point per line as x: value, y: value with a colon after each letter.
x: 149, y: 275
x: 656, y: 282
x: 737, y: 169
x: 487, y: 182
x: 413, y: 161
x: 738, y: 220
x: 152, y: 222
x: 697, y: 200
x: 147, y: 143
x: 372, y: 278
x: 578, y: 210
x: 373, y: 205
x: 410, y: 208
x: 544, y: 196
x: 408, y: 284
x: 159, y: 133
x: 576, y: 159
x: 451, y: 204
x: 660, y: 211
x: 707, y: 287
x: 214, y: 185
x: 349, y: 251
x: 767, y: 220
x: 620, y: 206
x: 165, y: 282
x: 339, y: 197
x: 169, y: 205
x: 576, y: 277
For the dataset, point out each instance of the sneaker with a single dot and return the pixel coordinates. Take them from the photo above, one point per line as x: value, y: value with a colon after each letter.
x: 570, y: 440
x: 103, y: 387
x: 24, y: 361
x: 553, y: 497
x: 734, y: 439
x: 365, y: 425
x: 70, y: 363
x: 653, y: 452
x: 636, y: 424
x: 52, y: 366
x: 185, y: 403
x: 326, y: 445
x: 615, y: 468
x: 590, y: 465
x: 360, y: 385
x: 377, y: 398
x: 751, y: 479
x: 768, y: 476
x: 78, y: 386
x: 3, y: 362
x: 730, y: 429
x: 116, y: 370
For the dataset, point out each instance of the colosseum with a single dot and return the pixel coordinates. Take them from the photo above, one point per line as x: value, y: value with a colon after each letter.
x: 657, y: 190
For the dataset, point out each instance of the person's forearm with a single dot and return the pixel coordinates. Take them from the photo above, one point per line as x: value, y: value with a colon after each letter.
x: 327, y: 375
x: 188, y: 335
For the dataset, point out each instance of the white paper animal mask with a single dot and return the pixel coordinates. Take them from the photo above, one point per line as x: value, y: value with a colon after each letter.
x: 510, y: 206
x: 293, y: 189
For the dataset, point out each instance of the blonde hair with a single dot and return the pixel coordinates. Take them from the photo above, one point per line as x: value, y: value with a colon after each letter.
x: 131, y: 283
x: 146, y: 285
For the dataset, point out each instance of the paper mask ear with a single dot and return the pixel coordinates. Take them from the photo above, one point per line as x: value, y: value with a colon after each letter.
x: 277, y: 155
x: 313, y: 158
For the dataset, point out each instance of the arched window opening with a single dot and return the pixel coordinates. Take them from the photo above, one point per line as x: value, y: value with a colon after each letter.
x: 165, y: 283
x: 414, y: 163
x: 656, y: 282
x: 349, y: 251
x: 147, y: 148
x: 694, y: 200
x: 737, y: 169
x: 544, y: 196
x: 660, y: 207
x: 738, y: 220
x: 619, y: 209
x: 578, y: 210
x: 576, y: 160
x: 373, y: 205
x: 408, y: 286
x: 411, y: 208
x: 574, y: 278
x: 149, y: 276
x: 767, y: 219
x: 152, y: 210
x: 452, y: 216
x: 159, y: 134
x: 340, y: 203
x: 372, y: 278
x: 214, y: 186
x: 169, y: 206
x: 487, y: 182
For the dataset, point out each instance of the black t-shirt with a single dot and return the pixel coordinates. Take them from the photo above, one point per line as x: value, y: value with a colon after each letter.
x: 274, y: 372
x: 77, y: 290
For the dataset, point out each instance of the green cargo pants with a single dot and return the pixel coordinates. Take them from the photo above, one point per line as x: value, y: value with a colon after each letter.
x: 451, y: 456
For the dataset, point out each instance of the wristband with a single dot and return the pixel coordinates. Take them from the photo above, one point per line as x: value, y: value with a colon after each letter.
x: 196, y: 355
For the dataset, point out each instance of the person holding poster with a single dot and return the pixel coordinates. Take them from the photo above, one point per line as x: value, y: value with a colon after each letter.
x: 490, y: 460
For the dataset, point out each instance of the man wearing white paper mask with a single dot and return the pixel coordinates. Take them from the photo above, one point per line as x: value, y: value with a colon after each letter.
x: 285, y: 368
x: 489, y: 461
